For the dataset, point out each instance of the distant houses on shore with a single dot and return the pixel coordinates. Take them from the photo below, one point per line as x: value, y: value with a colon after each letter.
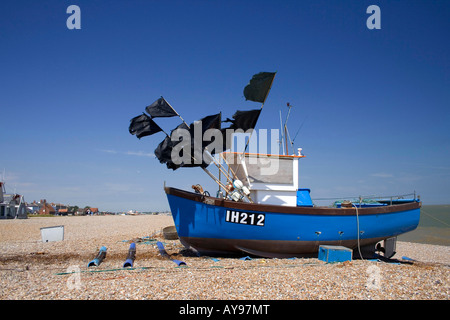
x: 44, y: 207
x: 13, y: 206
x: 49, y: 208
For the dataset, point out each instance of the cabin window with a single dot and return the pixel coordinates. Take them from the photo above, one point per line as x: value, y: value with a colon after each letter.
x: 270, y: 170
x: 262, y: 169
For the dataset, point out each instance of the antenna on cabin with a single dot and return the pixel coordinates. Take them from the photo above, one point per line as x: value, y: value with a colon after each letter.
x: 286, y: 132
x: 281, y: 133
x: 299, y: 128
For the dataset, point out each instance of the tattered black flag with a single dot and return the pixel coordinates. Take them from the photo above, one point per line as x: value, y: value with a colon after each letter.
x: 244, y: 120
x: 142, y: 126
x: 208, y: 122
x: 164, y: 151
x: 259, y: 86
x: 160, y: 108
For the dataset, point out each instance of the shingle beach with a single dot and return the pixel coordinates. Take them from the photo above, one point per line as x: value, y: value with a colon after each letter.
x: 33, y: 270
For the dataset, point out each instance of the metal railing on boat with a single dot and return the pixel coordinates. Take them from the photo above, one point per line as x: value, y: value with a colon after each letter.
x: 361, y: 199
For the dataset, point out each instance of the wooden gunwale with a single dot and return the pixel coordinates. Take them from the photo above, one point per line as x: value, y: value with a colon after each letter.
x: 245, y: 206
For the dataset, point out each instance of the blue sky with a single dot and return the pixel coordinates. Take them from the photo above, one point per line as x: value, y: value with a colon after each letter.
x: 374, y: 103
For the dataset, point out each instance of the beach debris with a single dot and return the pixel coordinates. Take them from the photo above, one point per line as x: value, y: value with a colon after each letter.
x: 407, y: 258
x: 131, y: 256
x: 38, y: 253
x: 246, y: 258
x: 99, y: 258
x: 164, y: 253
x: 142, y: 240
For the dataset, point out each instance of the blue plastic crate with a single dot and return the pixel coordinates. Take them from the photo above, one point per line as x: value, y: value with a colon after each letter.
x: 331, y: 254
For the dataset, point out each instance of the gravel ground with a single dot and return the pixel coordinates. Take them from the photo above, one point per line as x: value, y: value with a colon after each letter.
x: 30, y: 269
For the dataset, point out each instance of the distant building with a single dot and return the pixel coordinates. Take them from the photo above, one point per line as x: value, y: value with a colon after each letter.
x: 63, y: 212
x: 86, y: 211
x: 61, y: 209
x: 33, y: 207
x: 46, y: 208
x: 12, y: 206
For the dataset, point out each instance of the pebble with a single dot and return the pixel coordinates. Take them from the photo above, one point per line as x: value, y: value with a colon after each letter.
x: 32, y: 270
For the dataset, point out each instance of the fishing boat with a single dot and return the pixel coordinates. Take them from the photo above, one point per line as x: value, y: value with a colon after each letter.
x: 282, y: 222
x: 261, y: 209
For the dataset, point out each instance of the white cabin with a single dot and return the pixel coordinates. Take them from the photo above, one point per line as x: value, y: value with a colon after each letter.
x: 271, y: 178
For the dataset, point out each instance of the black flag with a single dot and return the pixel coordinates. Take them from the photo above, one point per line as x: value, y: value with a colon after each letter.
x: 244, y: 119
x: 208, y: 122
x: 164, y: 150
x: 227, y: 136
x: 143, y: 126
x: 160, y: 108
x: 259, y: 86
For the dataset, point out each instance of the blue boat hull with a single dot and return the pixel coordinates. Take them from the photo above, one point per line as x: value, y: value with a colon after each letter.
x: 215, y: 226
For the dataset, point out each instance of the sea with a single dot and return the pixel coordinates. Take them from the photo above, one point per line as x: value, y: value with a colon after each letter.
x: 433, y: 228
